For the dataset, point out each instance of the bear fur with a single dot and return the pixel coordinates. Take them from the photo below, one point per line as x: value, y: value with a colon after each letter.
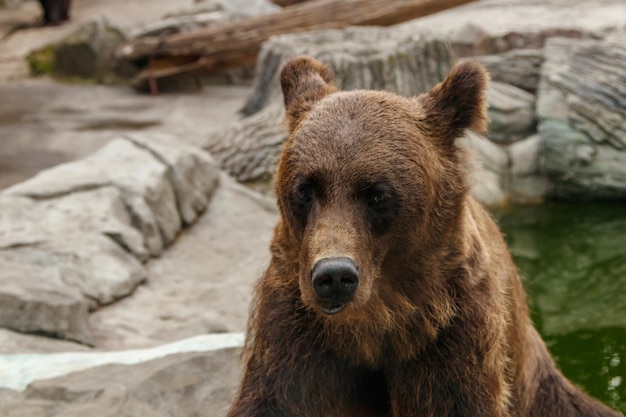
x: 435, y: 323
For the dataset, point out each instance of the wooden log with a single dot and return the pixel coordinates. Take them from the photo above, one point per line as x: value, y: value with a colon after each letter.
x: 223, y: 44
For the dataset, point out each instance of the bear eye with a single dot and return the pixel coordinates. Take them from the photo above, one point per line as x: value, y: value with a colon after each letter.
x: 383, y: 205
x: 377, y: 195
x: 304, y: 192
x: 376, y: 198
x: 301, y: 199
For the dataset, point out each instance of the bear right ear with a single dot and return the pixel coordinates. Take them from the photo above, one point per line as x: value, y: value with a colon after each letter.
x: 304, y: 81
x: 458, y: 103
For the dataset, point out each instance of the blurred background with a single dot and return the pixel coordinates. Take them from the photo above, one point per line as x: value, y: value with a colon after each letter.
x: 138, y: 140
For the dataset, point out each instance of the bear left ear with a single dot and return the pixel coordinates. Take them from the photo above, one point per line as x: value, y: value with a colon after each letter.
x: 304, y: 81
x: 458, y: 103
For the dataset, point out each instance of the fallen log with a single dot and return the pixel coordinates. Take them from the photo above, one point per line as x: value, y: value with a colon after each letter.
x: 232, y: 43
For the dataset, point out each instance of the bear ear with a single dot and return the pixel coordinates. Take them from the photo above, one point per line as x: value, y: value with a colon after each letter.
x: 458, y: 103
x: 304, y: 81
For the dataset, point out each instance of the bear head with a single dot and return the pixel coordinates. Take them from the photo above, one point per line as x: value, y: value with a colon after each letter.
x: 371, y: 186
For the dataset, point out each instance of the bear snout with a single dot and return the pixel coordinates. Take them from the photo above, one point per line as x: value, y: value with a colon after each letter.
x: 335, y: 281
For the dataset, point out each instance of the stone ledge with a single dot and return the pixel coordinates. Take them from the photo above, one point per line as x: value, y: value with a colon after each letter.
x: 73, y: 238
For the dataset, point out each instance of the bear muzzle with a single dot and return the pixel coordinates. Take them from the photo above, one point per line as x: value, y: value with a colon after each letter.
x: 335, y: 281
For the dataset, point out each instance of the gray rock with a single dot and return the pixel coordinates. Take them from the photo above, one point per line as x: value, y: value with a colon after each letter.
x: 205, y: 14
x: 21, y: 369
x: 12, y: 342
x: 188, y: 384
x: 487, y: 170
x: 511, y: 111
x: 89, y: 52
x: 212, y: 267
x: 526, y: 156
x: 193, y: 173
x: 491, y: 27
x: 370, y: 58
x: 134, y: 171
x: 100, y: 210
x: 34, y: 299
x: 93, y: 264
x: 519, y: 67
x: 582, y: 118
x: 49, y: 287
x: 527, y: 183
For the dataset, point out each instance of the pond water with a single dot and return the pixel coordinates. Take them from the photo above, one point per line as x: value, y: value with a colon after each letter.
x: 572, y: 258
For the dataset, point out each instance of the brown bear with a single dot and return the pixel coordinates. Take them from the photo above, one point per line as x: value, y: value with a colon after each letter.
x: 390, y: 291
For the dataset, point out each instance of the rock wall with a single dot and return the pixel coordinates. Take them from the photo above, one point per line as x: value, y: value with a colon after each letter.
x: 582, y: 118
x: 74, y: 237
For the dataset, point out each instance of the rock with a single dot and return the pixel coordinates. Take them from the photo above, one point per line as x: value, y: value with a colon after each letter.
x: 191, y: 384
x: 142, y: 180
x: 518, y: 67
x: 511, y: 111
x: 193, y: 173
x: 89, y: 52
x: 100, y: 210
x: 492, y: 27
x: 204, y: 14
x: 212, y: 267
x: 34, y: 299
x: 488, y: 169
x: 249, y: 149
x: 582, y: 118
x: 12, y: 342
x: 20, y: 370
x: 49, y: 287
x: 527, y: 183
x: 73, y: 237
x: 370, y: 58
x: 93, y: 264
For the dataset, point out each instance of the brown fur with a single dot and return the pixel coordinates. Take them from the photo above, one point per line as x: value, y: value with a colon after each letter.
x: 438, y: 325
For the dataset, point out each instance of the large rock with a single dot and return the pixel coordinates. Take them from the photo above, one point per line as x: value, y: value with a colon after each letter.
x: 161, y: 184
x: 21, y: 369
x: 487, y: 170
x: 12, y: 342
x: 34, y: 299
x: 368, y: 58
x: 491, y: 27
x: 212, y: 267
x: 582, y: 118
x: 192, y: 173
x: 89, y: 51
x: 98, y: 210
x: 204, y: 14
x: 192, y: 377
x: 527, y: 182
x: 361, y: 58
x: 511, y: 112
x: 72, y: 238
x: 518, y: 67
x: 193, y: 384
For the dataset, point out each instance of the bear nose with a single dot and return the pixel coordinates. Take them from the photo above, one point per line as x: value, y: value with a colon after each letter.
x: 335, y: 279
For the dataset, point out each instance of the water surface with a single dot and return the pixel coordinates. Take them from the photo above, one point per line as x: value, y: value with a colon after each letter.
x: 572, y: 258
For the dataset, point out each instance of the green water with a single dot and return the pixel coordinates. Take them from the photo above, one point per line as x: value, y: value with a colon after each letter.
x: 572, y: 258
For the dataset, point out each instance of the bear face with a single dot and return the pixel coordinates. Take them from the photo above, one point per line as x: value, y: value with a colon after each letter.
x: 368, y: 184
